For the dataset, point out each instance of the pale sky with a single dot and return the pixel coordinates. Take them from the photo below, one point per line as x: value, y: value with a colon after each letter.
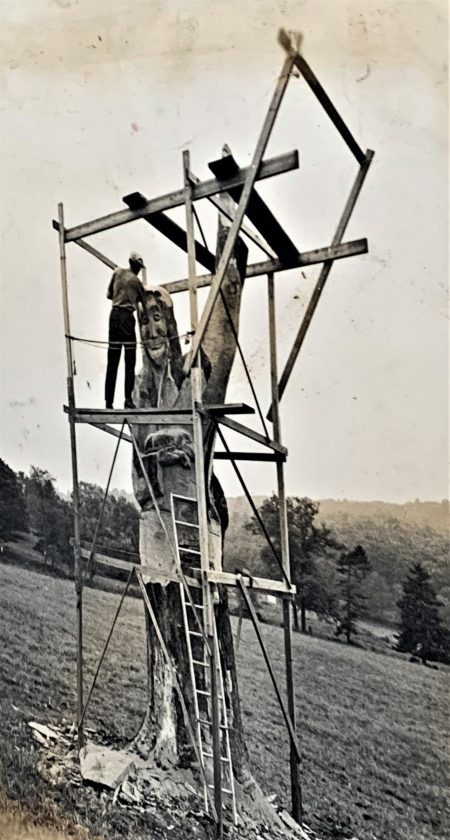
x: 100, y: 97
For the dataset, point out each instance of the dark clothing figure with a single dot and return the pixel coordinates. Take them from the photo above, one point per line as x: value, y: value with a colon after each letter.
x: 126, y: 292
x: 121, y: 334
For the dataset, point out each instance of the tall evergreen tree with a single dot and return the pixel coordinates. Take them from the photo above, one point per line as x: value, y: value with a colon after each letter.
x: 353, y: 566
x: 421, y: 631
x: 13, y: 514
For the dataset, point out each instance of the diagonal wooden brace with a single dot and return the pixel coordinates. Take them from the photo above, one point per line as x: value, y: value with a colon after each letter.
x: 233, y: 233
x: 326, y: 268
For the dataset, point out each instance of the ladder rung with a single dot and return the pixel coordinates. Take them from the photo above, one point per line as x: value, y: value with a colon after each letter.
x: 207, y: 693
x: 194, y: 633
x: 188, y: 524
x: 188, y: 550
x: 195, y: 606
x: 203, y: 722
x: 222, y: 758
x: 224, y: 790
x: 184, y: 498
x: 203, y: 664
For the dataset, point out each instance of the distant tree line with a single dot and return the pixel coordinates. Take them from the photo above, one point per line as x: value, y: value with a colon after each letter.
x: 31, y: 505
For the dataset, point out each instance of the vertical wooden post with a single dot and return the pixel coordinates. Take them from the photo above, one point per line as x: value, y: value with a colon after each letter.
x: 76, y: 493
x: 202, y: 505
x: 296, y: 794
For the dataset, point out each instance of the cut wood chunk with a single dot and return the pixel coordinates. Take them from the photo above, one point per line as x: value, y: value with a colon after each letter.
x: 104, y: 766
x: 46, y: 731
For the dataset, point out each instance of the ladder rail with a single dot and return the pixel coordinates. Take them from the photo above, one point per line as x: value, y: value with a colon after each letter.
x: 203, y: 687
x: 227, y: 731
x: 193, y: 681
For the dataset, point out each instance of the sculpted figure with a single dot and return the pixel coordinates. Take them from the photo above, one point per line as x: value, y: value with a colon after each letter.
x: 168, y: 455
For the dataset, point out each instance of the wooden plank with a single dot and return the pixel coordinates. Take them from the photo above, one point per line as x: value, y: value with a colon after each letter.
x: 171, y: 230
x: 114, y: 562
x: 318, y: 255
x: 269, y: 167
x: 248, y: 456
x: 233, y: 233
x: 323, y: 276
x: 227, y: 408
x: 100, y: 417
x: 256, y: 436
x: 322, y: 96
x: 226, y: 578
x: 257, y: 212
x: 276, y: 587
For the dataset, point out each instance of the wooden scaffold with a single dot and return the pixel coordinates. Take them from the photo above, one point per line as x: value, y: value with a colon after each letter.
x: 230, y: 187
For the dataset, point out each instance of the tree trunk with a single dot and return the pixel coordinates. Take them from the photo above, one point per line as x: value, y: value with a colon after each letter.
x: 170, y: 467
x: 296, y: 624
x: 303, y: 614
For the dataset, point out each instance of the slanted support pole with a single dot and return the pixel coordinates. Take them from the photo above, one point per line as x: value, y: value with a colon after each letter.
x: 296, y: 794
x: 321, y: 94
x: 75, y: 486
x: 287, y: 718
x: 233, y: 233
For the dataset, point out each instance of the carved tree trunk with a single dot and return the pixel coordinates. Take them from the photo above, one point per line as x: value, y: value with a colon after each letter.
x: 171, y: 469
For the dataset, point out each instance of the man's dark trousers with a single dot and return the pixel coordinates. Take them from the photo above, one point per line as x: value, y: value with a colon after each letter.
x: 121, y: 333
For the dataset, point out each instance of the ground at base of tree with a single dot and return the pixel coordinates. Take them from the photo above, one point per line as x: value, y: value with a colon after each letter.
x: 373, y: 729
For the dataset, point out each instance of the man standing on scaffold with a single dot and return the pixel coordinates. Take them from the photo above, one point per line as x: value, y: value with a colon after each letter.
x: 126, y: 292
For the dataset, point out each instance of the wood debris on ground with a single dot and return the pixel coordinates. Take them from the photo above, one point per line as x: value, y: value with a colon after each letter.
x: 131, y: 784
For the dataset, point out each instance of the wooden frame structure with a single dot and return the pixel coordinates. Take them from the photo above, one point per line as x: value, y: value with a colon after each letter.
x: 281, y: 254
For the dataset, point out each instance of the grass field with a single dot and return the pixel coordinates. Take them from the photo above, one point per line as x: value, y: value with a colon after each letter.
x: 373, y: 729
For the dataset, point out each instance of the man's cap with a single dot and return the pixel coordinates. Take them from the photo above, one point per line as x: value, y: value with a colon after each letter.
x: 135, y: 257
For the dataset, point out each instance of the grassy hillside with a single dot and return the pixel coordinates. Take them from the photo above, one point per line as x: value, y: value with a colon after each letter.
x: 373, y: 729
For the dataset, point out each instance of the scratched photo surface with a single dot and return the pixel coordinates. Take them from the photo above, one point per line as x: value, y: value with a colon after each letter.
x: 100, y: 98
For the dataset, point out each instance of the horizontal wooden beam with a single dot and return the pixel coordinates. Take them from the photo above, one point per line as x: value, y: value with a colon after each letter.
x: 220, y: 410
x: 138, y: 416
x: 101, y: 417
x: 318, y: 255
x: 257, y: 211
x: 171, y: 230
x: 244, y: 430
x: 248, y: 456
x: 226, y: 578
x: 268, y: 168
x: 275, y: 587
x: 113, y: 562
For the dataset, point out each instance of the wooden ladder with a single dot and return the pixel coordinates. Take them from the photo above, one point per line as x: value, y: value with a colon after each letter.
x: 186, y: 531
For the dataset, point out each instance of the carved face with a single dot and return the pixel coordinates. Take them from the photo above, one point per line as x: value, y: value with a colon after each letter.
x: 156, y: 331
